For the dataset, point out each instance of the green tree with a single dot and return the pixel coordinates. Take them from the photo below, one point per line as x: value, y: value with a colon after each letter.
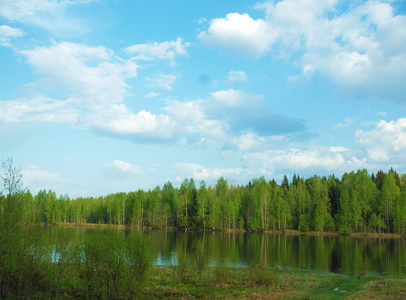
x: 20, y: 272
x: 201, y: 203
x: 285, y: 182
x: 389, y: 195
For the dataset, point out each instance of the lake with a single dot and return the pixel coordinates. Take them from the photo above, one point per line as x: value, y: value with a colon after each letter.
x: 339, y: 254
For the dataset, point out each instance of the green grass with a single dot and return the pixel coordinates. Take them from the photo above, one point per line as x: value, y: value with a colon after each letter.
x: 221, y: 282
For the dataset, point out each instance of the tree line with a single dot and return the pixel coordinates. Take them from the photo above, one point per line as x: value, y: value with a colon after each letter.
x: 358, y: 202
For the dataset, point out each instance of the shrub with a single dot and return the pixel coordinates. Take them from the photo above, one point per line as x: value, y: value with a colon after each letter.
x: 199, y: 257
x: 112, y: 266
x: 262, y: 276
x: 183, y: 263
x: 220, y: 274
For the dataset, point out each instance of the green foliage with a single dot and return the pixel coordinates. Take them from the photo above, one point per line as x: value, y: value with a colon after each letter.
x: 199, y: 256
x: 358, y: 202
x: 112, y: 266
x: 257, y: 275
x: 221, y: 274
x: 182, y: 267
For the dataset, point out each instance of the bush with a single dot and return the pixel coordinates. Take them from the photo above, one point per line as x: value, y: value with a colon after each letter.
x: 199, y: 257
x: 21, y: 255
x: 262, y: 276
x: 183, y: 263
x: 220, y: 274
x: 112, y: 266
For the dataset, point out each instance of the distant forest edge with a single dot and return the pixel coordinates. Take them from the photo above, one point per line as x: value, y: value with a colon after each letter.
x: 359, y: 202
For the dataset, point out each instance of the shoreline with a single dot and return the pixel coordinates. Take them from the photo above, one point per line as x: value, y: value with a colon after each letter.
x: 281, y: 232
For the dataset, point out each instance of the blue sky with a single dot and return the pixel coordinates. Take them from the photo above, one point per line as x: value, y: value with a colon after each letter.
x: 103, y: 96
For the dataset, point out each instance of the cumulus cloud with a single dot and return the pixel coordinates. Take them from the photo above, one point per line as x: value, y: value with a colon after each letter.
x: 220, y: 118
x: 195, y: 171
x: 250, y: 142
x: 238, y: 34
x: 94, y: 80
x: 386, y: 142
x: 94, y: 74
x: 118, y: 120
x: 236, y: 76
x: 7, y: 32
x: 164, y: 50
x: 123, y: 167
x: 306, y: 160
x: 190, y: 120
x: 362, y: 48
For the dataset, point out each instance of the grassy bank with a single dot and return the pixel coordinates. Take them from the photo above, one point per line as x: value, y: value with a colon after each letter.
x: 72, y: 281
x: 221, y: 282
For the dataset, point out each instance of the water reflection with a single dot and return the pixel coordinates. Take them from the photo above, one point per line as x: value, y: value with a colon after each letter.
x: 350, y: 255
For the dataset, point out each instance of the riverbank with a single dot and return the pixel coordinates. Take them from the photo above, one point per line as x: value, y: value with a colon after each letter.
x: 283, y: 232
x: 245, y: 283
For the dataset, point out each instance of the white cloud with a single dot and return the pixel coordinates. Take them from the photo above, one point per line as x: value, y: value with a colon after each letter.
x: 121, y: 121
x: 239, y: 34
x: 39, y: 109
x: 317, y: 160
x: 164, y: 50
x: 386, y: 142
x: 362, y: 48
x: 235, y: 98
x: 7, y: 32
x: 338, y: 149
x: 191, y: 120
x: 94, y: 81
x: 94, y: 74
x: 123, y: 167
x: 163, y: 81
x: 53, y: 15
x: 199, y: 172
x: 306, y: 159
x: 151, y: 94
x: 34, y: 176
x: 49, y: 14
x: 249, y: 142
x: 236, y: 76
x: 195, y: 171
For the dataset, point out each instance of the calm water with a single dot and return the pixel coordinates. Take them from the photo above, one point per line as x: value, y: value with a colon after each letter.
x: 341, y: 254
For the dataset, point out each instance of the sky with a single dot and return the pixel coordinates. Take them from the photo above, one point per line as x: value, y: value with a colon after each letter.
x: 107, y: 96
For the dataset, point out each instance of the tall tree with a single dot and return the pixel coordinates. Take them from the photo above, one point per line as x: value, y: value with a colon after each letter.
x: 390, y: 193
x: 285, y: 182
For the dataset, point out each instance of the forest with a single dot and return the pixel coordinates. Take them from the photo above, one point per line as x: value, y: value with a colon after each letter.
x: 358, y: 202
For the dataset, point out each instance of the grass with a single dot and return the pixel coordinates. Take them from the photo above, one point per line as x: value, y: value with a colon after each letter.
x: 221, y: 282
